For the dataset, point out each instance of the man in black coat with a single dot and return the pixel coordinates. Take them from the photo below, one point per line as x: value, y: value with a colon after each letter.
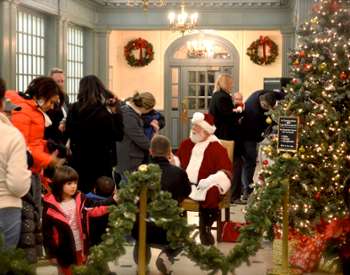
x: 174, y: 180
x: 253, y: 126
x: 55, y: 133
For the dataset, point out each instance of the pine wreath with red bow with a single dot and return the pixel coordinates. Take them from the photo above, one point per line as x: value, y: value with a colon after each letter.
x: 144, y: 55
x: 267, y: 57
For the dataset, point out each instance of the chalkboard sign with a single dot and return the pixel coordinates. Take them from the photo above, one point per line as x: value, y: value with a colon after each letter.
x: 288, y: 134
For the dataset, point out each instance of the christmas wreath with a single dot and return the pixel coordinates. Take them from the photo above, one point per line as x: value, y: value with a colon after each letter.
x: 264, y: 42
x: 145, y: 52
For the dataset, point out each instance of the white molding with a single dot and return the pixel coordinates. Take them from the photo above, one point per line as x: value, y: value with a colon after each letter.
x: 192, y: 3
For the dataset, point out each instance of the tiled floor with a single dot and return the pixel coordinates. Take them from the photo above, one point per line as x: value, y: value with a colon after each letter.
x: 260, y: 263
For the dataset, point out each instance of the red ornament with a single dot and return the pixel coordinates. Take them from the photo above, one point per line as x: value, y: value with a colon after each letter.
x: 301, y: 53
x: 334, y: 6
x: 295, y: 81
x: 265, y: 162
x: 307, y: 67
x: 343, y: 75
x: 317, y: 196
x: 316, y: 7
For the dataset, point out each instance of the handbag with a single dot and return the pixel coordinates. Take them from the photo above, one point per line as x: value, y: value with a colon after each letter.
x: 230, y: 231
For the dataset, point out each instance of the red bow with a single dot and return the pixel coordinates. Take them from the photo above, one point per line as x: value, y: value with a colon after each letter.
x: 263, y: 41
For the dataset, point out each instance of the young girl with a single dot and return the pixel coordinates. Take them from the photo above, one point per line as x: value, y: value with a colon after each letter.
x: 65, y: 220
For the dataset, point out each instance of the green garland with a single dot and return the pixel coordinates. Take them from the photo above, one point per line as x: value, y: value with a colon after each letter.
x: 163, y: 210
x: 13, y: 261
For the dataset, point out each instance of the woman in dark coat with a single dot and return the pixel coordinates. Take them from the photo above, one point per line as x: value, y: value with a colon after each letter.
x: 94, y: 125
x: 221, y: 108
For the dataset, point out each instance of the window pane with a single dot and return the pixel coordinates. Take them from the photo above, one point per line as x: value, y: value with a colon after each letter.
x: 174, y: 91
x: 30, y: 45
x: 201, y: 103
x: 210, y: 90
x: 192, y: 76
x: 174, y: 75
x: 211, y: 77
x: 75, y: 60
x: 191, y: 103
x: 174, y: 103
x: 201, y: 90
x: 201, y: 77
x: 192, y: 90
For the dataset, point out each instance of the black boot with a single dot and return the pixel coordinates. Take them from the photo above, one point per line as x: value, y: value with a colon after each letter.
x: 206, y: 219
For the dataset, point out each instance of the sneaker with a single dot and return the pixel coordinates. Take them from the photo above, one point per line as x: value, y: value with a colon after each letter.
x: 164, y: 264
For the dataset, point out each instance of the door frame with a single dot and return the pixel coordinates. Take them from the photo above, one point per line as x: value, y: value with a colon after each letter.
x: 170, y: 61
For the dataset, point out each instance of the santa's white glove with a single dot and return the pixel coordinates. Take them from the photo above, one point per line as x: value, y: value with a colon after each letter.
x: 204, y: 184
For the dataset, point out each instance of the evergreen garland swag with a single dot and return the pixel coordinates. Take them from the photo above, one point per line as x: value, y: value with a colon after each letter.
x: 163, y: 210
x: 145, y: 55
x: 13, y: 261
x: 265, y: 59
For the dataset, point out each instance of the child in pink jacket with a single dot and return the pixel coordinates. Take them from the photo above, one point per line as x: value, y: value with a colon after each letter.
x: 65, y: 220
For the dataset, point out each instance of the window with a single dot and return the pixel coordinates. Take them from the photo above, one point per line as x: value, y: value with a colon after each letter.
x: 75, y: 62
x: 30, y: 52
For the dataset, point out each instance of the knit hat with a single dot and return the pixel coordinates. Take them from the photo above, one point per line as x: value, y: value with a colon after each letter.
x: 206, y: 121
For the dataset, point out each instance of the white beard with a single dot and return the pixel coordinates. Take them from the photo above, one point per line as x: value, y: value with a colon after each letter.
x: 195, y: 138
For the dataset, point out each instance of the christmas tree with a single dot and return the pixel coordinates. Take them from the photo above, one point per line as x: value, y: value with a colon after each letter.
x: 320, y: 97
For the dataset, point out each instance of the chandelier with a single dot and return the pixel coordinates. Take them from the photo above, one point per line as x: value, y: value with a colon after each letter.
x: 183, y: 21
x: 199, y: 48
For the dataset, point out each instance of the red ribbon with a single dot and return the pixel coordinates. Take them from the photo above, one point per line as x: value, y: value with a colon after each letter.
x: 263, y: 41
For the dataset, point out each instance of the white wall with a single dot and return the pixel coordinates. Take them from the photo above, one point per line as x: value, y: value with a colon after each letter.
x: 127, y: 79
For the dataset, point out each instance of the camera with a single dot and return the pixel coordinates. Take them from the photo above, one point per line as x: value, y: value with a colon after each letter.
x: 111, y: 102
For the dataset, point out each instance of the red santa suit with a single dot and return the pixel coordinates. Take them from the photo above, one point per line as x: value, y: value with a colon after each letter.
x: 206, y: 163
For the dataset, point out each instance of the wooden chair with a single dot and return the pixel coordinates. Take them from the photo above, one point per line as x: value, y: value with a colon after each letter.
x: 193, y: 206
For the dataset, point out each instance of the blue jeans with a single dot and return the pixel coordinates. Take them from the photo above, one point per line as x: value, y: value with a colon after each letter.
x: 10, y: 225
x: 249, y: 155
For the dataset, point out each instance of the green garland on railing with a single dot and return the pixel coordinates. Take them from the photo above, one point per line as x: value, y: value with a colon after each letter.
x: 13, y: 261
x: 163, y: 210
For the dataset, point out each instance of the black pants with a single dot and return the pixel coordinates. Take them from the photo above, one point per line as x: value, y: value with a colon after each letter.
x: 170, y: 252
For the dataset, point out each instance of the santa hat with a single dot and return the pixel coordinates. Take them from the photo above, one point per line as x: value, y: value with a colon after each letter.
x: 206, y: 121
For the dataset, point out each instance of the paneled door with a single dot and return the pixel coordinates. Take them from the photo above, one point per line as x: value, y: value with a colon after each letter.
x: 192, y: 88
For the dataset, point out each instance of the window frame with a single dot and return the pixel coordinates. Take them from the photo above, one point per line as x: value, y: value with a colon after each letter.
x: 31, y: 42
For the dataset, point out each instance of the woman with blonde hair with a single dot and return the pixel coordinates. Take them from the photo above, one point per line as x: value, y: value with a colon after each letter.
x: 133, y: 149
x: 224, y: 82
x: 221, y: 107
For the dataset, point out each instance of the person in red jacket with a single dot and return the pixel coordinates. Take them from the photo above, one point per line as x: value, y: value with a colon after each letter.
x: 66, y: 218
x: 209, y: 168
x: 41, y: 95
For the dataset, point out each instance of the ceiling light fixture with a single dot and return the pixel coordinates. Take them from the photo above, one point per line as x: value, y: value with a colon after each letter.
x: 183, y: 21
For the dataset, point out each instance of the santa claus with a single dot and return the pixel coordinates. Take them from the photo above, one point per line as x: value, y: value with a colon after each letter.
x: 208, y: 167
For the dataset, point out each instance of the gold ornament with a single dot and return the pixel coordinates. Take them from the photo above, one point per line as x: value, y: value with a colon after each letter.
x: 143, y: 168
x: 322, y: 66
x: 302, y: 149
x: 286, y: 156
x: 268, y: 120
x: 267, y: 149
